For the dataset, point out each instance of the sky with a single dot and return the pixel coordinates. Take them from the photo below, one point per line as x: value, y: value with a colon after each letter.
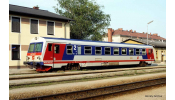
x: 126, y: 14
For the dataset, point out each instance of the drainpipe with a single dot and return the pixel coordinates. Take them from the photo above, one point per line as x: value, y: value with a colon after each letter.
x: 65, y: 28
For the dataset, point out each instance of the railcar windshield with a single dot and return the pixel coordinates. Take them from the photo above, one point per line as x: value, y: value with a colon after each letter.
x: 35, y: 47
x: 31, y: 47
x: 38, y: 47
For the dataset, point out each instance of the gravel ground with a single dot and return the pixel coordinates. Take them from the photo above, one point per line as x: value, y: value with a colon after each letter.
x: 22, y: 71
x: 69, y: 87
x: 158, y: 93
x: 76, y: 72
x: 83, y: 76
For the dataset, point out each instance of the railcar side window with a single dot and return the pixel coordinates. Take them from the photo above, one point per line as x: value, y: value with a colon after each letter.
x: 50, y: 47
x: 98, y: 50
x: 116, y: 51
x: 107, y: 50
x: 87, y: 50
x: 57, y: 49
x: 69, y: 49
x: 79, y: 50
x: 143, y: 52
x: 131, y: 51
x: 137, y: 51
x: 123, y: 51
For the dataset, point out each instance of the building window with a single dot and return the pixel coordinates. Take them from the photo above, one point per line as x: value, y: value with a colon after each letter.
x: 79, y: 50
x: 87, y: 49
x: 16, y: 24
x: 98, y: 50
x: 123, y: 51
x: 50, y: 28
x: 107, y: 50
x: 15, y: 52
x: 137, y: 51
x: 34, y: 26
x: 131, y: 51
x: 57, y: 48
x: 116, y: 51
x: 143, y: 52
x: 69, y: 49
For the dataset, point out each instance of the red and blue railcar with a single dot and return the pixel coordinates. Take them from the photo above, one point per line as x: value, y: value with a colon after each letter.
x: 47, y: 53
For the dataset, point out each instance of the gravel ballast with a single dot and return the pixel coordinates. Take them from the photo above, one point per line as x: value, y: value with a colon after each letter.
x: 82, y: 76
x: 76, y: 72
x: 29, y: 92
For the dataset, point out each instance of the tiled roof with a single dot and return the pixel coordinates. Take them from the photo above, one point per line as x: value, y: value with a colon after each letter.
x: 35, y: 12
x: 135, y: 34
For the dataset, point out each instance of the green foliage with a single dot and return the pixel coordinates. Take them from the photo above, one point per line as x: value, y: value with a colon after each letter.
x: 90, y: 21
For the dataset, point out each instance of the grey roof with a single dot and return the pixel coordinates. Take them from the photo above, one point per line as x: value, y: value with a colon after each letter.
x: 36, y: 12
x: 150, y: 42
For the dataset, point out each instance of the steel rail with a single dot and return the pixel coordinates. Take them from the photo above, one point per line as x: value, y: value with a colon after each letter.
x: 79, y: 73
x: 90, y: 93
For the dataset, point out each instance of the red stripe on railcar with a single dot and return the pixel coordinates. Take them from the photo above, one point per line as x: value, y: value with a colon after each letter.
x: 34, y: 54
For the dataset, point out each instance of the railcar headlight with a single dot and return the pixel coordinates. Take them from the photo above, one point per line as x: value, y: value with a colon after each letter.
x: 38, y: 57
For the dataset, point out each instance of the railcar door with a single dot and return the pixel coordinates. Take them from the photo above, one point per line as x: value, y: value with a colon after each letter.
x: 58, y: 54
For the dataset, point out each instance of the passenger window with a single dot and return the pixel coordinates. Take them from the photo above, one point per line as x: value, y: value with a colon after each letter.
x: 143, y: 52
x: 50, y: 47
x: 123, y: 51
x: 69, y: 49
x: 131, y: 51
x: 137, y: 51
x: 87, y: 49
x: 98, y: 50
x: 116, y: 51
x: 57, y: 49
x: 79, y: 50
x: 107, y: 50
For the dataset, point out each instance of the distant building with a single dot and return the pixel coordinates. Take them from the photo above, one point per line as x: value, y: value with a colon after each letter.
x: 120, y: 35
x: 26, y: 23
x: 159, y: 47
x: 133, y: 37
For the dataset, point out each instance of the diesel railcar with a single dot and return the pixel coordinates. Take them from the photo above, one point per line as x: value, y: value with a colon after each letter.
x: 47, y: 53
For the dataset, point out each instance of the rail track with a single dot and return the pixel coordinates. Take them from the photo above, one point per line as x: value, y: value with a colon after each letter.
x: 96, y: 92
x: 28, y: 76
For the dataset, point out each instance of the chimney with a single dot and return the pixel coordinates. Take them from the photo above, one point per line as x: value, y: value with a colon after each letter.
x: 109, y: 34
x: 131, y: 30
x: 36, y: 7
x: 143, y: 32
x: 135, y: 31
x: 150, y: 33
x: 120, y: 29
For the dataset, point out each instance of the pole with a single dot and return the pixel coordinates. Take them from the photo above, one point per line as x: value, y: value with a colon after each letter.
x: 147, y: 34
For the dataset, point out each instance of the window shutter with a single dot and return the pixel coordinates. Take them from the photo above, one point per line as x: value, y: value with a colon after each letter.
x: 34, y: 26
x: 15, y: 24
x: 50, y: 28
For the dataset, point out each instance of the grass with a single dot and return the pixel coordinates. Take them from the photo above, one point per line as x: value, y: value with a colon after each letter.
x: 88, y: 78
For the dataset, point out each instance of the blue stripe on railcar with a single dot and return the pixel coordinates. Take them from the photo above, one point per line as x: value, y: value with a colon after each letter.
x: 75, y: 51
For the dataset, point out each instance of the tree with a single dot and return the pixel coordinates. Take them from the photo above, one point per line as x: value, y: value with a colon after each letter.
x: 90, y: 20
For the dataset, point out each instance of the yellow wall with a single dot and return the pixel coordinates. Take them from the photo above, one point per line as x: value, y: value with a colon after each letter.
x: 132, y: 42
x: 25, y: 36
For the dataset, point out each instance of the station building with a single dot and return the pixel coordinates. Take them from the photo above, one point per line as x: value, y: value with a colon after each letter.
x: 26, y: 23
x: 133, y: 37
